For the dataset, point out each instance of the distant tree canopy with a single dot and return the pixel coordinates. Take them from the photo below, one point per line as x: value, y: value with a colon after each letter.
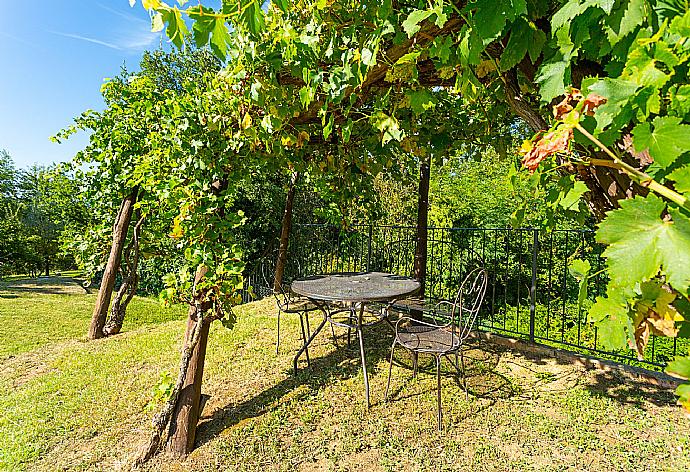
x: 36, y: 205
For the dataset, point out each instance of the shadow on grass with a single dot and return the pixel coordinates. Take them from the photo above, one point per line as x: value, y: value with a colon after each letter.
x: 343, y: 363
x: 629, y: 392
x: 611, y: 384
x: 44, y: 286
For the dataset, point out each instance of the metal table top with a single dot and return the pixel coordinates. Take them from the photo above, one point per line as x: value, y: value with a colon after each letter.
x: 356, y: 287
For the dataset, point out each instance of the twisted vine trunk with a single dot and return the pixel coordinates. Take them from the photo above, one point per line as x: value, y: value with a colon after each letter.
x: 285, y: 227
x: 120, y: 228
x: 185, y: 416
x: 130, y: 281
x: 420, y: 255
x: 181, y: 408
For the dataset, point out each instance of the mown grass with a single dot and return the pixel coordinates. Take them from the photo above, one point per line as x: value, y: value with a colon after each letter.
x: 38, y: 312
x: 76, y: 405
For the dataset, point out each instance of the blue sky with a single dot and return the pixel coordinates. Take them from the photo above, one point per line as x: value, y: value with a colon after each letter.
x: 55, y: 55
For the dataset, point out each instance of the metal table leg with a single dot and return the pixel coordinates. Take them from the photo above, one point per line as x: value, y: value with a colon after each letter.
x: 311, y: 337
x: 306, y: 345
x: 304, y: 336
x: 361, y: 351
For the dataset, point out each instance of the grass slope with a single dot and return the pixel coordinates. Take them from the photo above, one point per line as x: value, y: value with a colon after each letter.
x: 73, y: 405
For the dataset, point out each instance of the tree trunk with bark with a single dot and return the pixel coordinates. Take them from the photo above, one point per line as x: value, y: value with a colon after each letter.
x: 130, y: 281
x: 185, y: 417
x: 285, y: 227
x: 120, y: 229
x: 182, y: 409
x: 420, y: 255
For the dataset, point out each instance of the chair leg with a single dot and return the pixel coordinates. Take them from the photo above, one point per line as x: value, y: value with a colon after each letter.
x: 415, y: 364
x: 390, y: 369
x: 335, y: 338
x: 464, y: 377
x: 364, y: 364
x: 438, y: 392
x: 278, y: 339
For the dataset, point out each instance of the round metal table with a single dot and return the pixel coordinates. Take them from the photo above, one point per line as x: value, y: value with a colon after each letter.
x: 354, y: 291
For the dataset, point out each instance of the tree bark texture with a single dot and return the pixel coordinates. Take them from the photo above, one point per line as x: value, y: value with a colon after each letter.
x: 120, y: 229
x: 188, y: 408
x: 420, y: 255
x: 285, y: 227
x: 172, y: 411
x: 130, y: 281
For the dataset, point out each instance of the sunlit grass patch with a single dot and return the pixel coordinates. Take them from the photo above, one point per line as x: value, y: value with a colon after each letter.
x: 77, y: 405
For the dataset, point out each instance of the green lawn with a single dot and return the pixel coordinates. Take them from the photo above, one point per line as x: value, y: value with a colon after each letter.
x: 76, y: 405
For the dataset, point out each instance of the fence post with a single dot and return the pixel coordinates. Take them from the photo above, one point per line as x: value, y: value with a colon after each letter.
x: 533, y: 287
x: 371, y: 232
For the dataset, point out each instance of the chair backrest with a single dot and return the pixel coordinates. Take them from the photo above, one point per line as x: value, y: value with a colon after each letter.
x: 468, y: 302
x: 283, y: 295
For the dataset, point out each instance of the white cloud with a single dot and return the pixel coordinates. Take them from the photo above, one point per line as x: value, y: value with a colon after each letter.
x: 126, y: 16
x: 87, y: 39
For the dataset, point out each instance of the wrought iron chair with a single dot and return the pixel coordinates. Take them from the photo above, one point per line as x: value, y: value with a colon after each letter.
x: 443, y: 340
x: 289, y: 302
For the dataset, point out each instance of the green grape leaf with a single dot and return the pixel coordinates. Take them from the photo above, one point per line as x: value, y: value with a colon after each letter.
x: 441, y: 48
x: 253, y: 17
x: 328, y: 128
x: 640, y: 243
x: 680, y: 25
x: 388, y: 125
x: 679, y: 367
x: 551, y: 79
x: 680, y: 100
x: 536, y: 44
x: 624, y: 20
x: 515, y: 50
x: 610, y: 316
x: 642, y: 69
x: 681, y: 177
x: 284, y: 5
x: 617, y: 93
x: 421, y: 101
x: 612, y: 334
x: 491, y: 15
x: 579, y: 269
x: 411, y: 24
x: 574, y: 194
x: 441, y: 17
x: 220, y: 38
x: 177, y: 28
x: 605, y: 307
x: 574, y: 8
x: 665, y: 142
x: 683, y: 392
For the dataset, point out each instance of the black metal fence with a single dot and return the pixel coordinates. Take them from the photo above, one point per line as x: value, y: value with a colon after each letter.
x: 531, y: 293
